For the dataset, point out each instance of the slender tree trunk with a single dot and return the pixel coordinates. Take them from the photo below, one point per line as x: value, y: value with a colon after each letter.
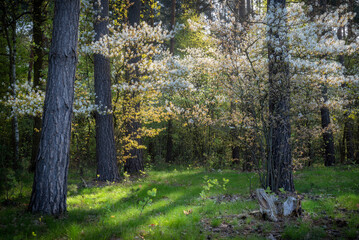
x: 279, y: 155
x: 16, y: 136
x: 134, y: 162
x: 234, y: 135
x: 107, y: 169
x: 241, y: 10
x: 329, y: 152
x: 248, y: 8
x: 9, y: 18
x: 349, y: 138
x: 342, y: 147
x: 49, y: 191
x: 169, y: 146
x: 173, y: 23
x: 39, y: 17
x: 31, y: 66
x: 348, y: 142
x: 240, y: 13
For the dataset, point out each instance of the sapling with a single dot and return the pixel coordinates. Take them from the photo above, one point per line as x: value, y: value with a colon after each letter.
x: 147, y: 200
x: 212, y: 183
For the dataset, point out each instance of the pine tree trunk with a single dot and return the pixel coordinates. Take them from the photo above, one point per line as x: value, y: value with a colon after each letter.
x: 134, y: 162
x: 169, y: 145
x: 16, y: 137
x: 173, y: 23
x: 234, y: 136
x: 49, y: 191
x: 240, y: 9
x: 329, y: 152
x: 107, y: 169
x: 249, y: 7
x: 279, y: 156
x: 31, y: 65
x: 39, y: 18
x: 349, y: 138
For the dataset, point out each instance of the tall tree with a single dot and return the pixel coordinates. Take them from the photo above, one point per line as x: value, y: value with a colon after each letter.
x: 38, y: 18
x: 240, y: 15
x: 348, y: 135
x: 10, y: 13
x: 134, y: 162
x: 328, y: 139
x: 279, y: 159
x: 169, y: 146
x: 49, y: 190
x: 107, y: 169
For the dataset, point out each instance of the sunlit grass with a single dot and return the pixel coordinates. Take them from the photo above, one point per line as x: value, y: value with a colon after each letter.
x: 177, y: 210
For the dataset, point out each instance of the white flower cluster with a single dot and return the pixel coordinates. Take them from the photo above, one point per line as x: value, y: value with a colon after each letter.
x: 27, y: 101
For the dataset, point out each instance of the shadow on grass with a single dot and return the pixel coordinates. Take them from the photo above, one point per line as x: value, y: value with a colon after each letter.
x: 100, y: 223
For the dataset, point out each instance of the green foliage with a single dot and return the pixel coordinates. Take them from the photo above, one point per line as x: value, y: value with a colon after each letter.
x: 209, y: 184
x: 188, y: 38
x: 8, y: 182
x: 147, y: 200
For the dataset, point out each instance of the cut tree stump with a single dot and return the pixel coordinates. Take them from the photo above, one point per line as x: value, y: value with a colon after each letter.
x: 274, y: 207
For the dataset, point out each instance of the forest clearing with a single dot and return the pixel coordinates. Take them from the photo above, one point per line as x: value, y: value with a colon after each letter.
x: 179, y: 119
x: 178, y: 211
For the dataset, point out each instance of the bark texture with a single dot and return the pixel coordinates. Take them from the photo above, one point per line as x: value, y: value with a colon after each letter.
x: 349, y: 138
x: 38, y: 17
x: 49, y: 191
x: 329, y: 152
x: 16, y: 136
x: 107, y: 169
x: 134, y: 162
x: 279, y: 159
x: 169, y: 144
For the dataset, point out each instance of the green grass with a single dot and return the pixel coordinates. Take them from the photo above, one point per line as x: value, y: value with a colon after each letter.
x: 178, y: 211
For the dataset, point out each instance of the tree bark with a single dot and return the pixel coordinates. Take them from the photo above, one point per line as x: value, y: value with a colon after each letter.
x: 279, y: 172
x: 134, y: 162
x: 348, y: 143
x: 49, y: 191
x: 169, y: 145
x: 31, y: 65
x: 348, y: 137
x: 107, y: 169
x: 39, y: 17
x: 16, y: 136
x: 248, y: 8
x: 173, y: 23
x: 329, y: 152
x: 234, y: 136
x: 240, y: 13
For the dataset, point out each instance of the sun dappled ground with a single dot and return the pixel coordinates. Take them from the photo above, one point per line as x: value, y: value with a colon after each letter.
x: 179, y: 210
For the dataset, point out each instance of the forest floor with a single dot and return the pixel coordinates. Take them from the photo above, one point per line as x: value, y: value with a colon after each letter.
x: 190, y: 204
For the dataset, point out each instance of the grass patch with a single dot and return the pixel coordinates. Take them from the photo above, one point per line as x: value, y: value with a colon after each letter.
x: 178, y: 212
x: 303, y: 231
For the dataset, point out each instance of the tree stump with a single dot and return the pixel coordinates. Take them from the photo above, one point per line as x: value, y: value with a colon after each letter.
x: 274, y: 207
